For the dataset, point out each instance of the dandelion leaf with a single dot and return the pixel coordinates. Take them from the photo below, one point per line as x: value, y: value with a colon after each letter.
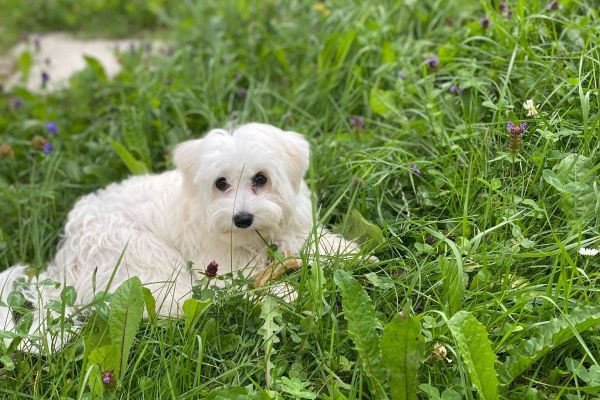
x: 362, y: 324
x: 402, y: 348
x: 546, y: 338
x: 126, y: 310
x: 476, y: 352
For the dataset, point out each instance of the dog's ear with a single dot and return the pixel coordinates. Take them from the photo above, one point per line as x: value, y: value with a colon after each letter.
x: 187, y: 157
x: 297, y: 150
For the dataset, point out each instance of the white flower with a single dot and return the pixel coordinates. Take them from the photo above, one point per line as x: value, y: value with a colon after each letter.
x: 588, y: 252
x: 531, y: 108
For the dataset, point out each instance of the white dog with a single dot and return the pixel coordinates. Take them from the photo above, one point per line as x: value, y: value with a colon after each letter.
x: 231, y: 195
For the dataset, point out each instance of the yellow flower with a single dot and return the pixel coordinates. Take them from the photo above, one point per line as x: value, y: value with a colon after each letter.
x: 322, y: 9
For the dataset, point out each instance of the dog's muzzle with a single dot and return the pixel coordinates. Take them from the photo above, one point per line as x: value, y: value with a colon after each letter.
x: 243, y: 220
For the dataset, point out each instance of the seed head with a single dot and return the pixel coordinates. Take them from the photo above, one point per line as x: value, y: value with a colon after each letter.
x: 38, y: 142
x: 6, y: 151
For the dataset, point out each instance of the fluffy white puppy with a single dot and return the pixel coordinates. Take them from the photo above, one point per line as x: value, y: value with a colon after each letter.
x: 231, y: 195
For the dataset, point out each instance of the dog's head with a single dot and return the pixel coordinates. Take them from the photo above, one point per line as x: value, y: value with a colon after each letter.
x: 247, y: 180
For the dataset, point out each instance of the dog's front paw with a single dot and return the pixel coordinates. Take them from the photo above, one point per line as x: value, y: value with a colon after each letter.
x: 274, y: 270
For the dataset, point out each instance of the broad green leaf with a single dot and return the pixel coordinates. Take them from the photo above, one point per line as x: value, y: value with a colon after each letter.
x: 136, y: 167
x: 126, y: 310
x: 24, y: 63
x: 106, y: 357
x: 150, y: 303
x: 452, y: 279
x: 192, y: 310
x: 573, y: 177
x: 360, y: 229
x: 362, y: 326
x: 68, y: 296
x: 296, y: 388
x: 553, y: 180
x: 476, y: 352
x: 96, y: 66
x: 402, y: 347
x: 546, y: 338
x: 381, y: 282
x: 94, y: 380
x: 97, y: 334
x: 381, y: 101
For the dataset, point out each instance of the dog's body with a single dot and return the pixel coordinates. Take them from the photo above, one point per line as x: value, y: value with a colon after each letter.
x: 231, y: 195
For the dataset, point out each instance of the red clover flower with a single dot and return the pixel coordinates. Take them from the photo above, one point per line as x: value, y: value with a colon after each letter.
x: 211, y: 269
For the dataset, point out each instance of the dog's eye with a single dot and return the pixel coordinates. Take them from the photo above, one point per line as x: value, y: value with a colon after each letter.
x: 259, y: 180
x: 222, y: 184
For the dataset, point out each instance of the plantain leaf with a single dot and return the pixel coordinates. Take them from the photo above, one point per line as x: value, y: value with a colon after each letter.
x: 150, y: 303
x: 360, y: 229
x: 193, y: 309
x: 126, y: 310
x: 452, y: 279
x: 402, y: 346
x: 476, y: 352
x: 381, y: 101
x: 362, y: 326
x: 136, y: 167
x: 96, y: 66
x: 547, y: 337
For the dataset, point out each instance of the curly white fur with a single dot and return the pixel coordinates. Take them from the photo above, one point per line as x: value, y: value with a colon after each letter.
x: 160, y: 223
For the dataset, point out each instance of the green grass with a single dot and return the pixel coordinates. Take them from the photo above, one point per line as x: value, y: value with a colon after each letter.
x: 480, y: 228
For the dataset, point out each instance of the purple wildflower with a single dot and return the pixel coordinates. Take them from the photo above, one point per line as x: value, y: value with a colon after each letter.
x: 485, y: 22
x: 45, y: 78
x: 211, y: 269
x: 456, y: 89
x: 16, y: 103
x: 503, y: 7
x: 432, y: 62
x: 402, y: 75
x: 357, y: 122
x: 51, y: 127
x: 108, y: 378
x: 513, y: 129
x: 241, y: 93
x: 553, y: 5
x: 414, y: 169
x: 48, y: 148
x: 515, y: 136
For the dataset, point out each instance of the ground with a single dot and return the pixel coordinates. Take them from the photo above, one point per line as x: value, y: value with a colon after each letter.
x: 414, y: 111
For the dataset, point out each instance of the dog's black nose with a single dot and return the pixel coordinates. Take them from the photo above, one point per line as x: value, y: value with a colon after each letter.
x: 243, y: 220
